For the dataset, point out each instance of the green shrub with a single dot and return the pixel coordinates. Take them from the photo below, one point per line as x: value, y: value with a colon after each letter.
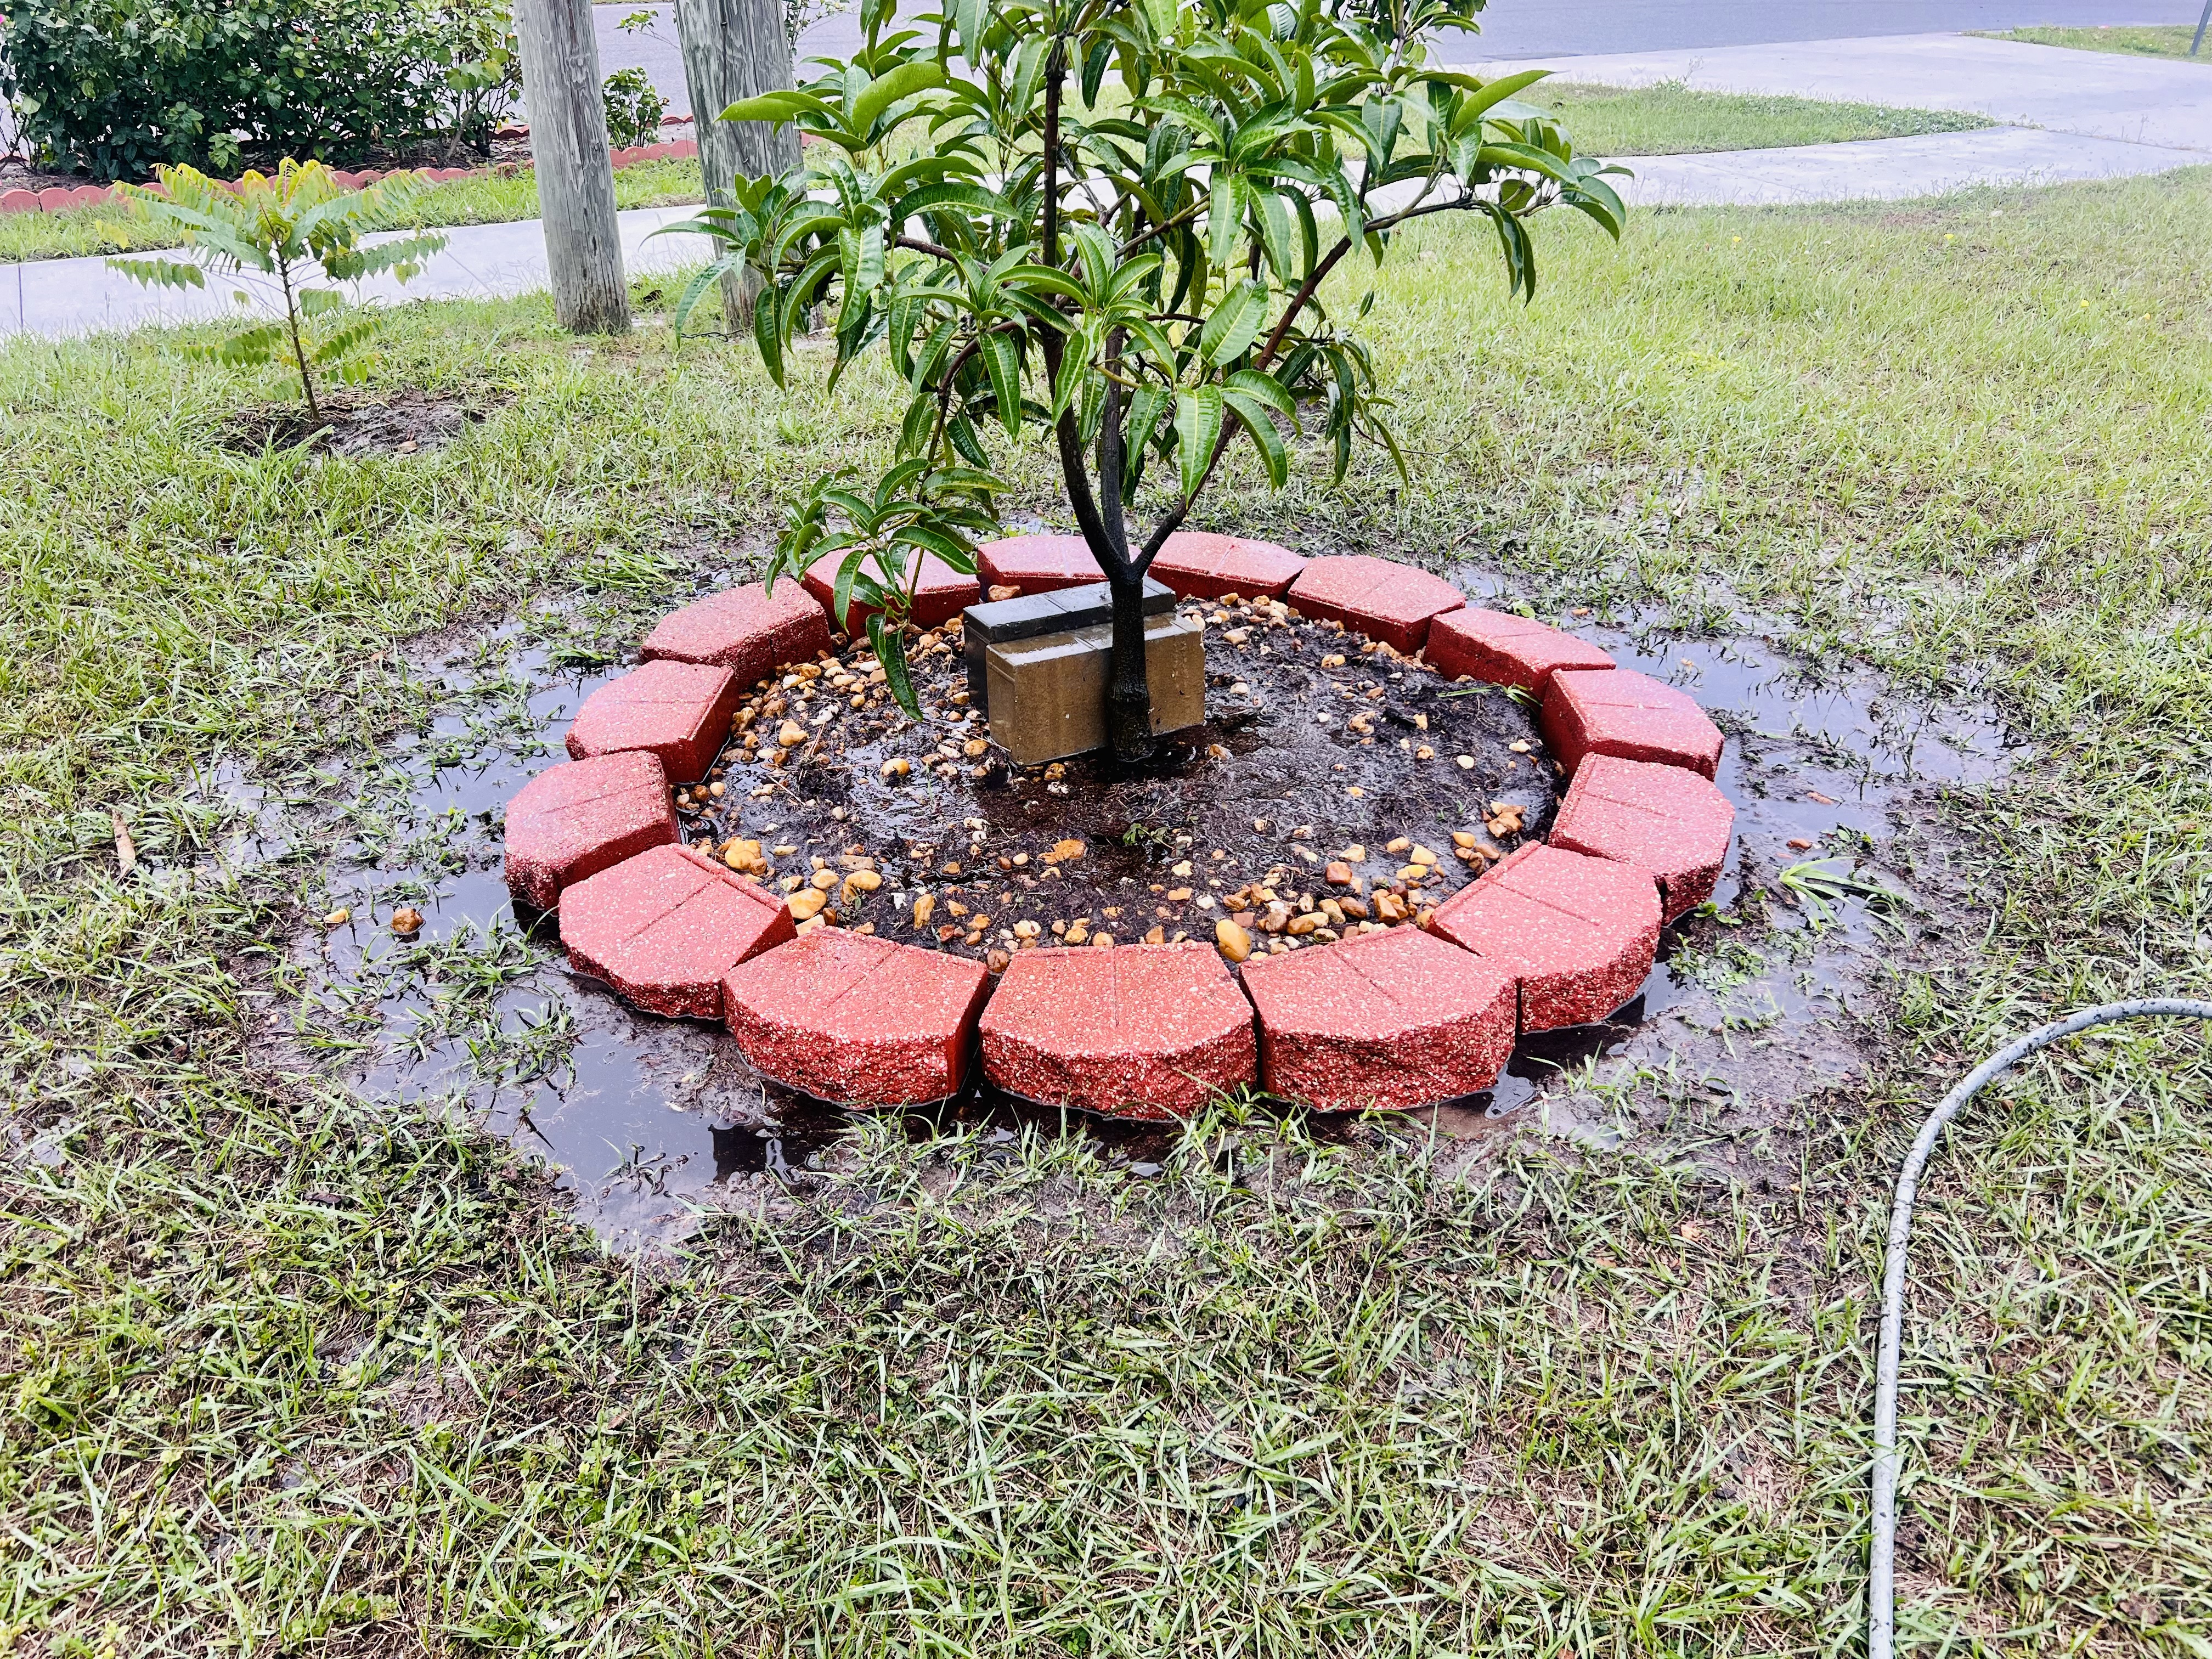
x: 114, y: 87
x: 285, y: 227
x: 634, y: 108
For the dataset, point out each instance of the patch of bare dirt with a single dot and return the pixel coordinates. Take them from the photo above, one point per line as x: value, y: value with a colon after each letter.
x: 407, y: 422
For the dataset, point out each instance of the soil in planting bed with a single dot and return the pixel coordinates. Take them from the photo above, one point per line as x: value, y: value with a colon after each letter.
x: 1331, y: 780
x: 406, y: 422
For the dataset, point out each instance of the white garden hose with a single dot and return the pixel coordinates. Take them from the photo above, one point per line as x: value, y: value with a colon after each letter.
x: 1881, y: 1585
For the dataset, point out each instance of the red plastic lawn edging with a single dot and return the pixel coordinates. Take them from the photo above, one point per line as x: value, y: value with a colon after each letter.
x: 60, y: 200
x: 1561, y: 933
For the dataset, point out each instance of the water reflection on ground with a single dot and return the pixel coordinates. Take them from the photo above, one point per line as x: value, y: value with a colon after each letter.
x: 649, y: 1120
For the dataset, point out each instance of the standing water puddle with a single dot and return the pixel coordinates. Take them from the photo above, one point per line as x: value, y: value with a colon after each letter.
x: 650, y: 1121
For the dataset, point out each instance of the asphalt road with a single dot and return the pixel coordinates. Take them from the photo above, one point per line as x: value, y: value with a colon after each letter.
x: 1541, y: 28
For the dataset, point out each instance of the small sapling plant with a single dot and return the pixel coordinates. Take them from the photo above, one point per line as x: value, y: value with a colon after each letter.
x: 282, y: 228
x: 1110, y: 221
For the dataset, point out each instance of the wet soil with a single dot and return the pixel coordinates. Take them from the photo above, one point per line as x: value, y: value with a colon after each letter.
x: 1318, y: 748
x: 404, y: 423
x: 1757, y: 1012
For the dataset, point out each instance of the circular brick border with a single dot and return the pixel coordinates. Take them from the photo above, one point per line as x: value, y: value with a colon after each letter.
x: 1560, y: 933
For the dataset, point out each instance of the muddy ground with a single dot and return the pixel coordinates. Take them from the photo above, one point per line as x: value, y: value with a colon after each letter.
x: 405, y: 423
x: 1761, y: 1009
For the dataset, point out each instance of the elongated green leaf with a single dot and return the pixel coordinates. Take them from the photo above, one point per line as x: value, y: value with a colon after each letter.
x: 776, y: 106
x: 160, y: 273
x: 890, y: 652
x: 1275, y: 237
x: 968, y: 16
x: 1075, y: 356
x: 918, y: 75
x: 1266, y: 388
x: 1234, y: 322
x: 1004, y: 366
x: 1253, y: 414
x: 1198, y: 430
x: 1224, y: 215
x: 841, y: 593
x: 768, y: 332
x: 1484, y: 95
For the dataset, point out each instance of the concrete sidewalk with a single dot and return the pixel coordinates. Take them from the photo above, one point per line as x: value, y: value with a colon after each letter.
x: 2077, y: 115
x: 2070, y: 115
x: 2166, y: 103
x: 60, y: 297
x: 1891, y: 169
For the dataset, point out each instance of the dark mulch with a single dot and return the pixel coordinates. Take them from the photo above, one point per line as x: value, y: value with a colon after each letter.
x: 1316, y: 744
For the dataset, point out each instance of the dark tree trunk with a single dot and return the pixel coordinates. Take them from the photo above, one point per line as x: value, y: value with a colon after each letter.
x: 1128, y: 693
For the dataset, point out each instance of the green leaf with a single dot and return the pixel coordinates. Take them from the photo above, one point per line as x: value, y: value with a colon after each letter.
x: 768, y: 332
x: 968, y: 19
x: 841, y: 596
x: 776, y: 106
x: 1266, y: 388
x: 1198, y: 430
x: 1225, y: 216
x: 1253, y: 413
x: 1275, y: 237
x: 160, y: 273
x: 890, y: 652
x: 1074, y: 362
x: 918, y: 75
x: 1234, y: 322
x: 1004, y: 365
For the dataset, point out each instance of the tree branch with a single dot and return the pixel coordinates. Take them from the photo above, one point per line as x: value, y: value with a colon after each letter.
x: 1110, y: 551
x: 1173, y: 521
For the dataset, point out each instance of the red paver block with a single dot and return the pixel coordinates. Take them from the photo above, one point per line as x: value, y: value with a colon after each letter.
x: 666, y: 927
x: 1200, y: 565
x: 747, y: 630
x: 18, y: 201
x: 1621, y: 712
x: 680, y: 711
x: 1037, y: 564
x: 1667, y: 820
x: 1386, y: 1021
x: 940, y: 592
x: 1141, y: 1031
x: 1391, y: 603
x: 572, y: 820
x: 1505, y: 650
x: 856, y: 1020
x: 1578, y: 934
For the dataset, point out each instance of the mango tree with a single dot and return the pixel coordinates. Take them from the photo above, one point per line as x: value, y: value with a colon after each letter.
x: 1113, y: 220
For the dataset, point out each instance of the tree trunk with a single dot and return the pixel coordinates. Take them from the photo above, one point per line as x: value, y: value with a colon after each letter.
x: 1129, y: 691
x: 575, y: 176
x: 736, y: 49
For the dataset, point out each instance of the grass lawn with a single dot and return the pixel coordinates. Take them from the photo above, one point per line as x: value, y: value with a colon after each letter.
x: 286, y: 1370
x: 1665, y: 120
x: 483, y: 199
x: 1669, y: 118
x: 2140, y: 40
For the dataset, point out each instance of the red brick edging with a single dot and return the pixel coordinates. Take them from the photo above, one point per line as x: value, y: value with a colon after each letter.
x: 1560, y: 933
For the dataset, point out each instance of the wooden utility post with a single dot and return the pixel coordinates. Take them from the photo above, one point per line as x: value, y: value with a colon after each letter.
x: 735, y: 49
x: 575, y: 176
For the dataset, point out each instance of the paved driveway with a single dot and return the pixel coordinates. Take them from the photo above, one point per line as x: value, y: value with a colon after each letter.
x: 1544, y: 29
